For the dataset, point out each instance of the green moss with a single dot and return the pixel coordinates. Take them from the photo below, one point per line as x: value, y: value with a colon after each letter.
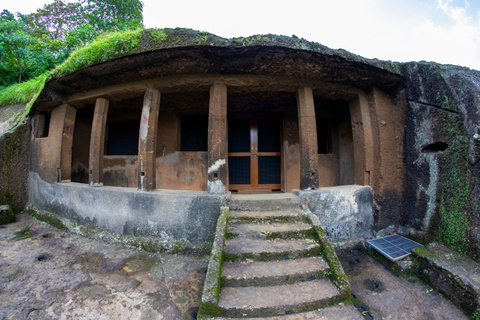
x: 211, y: 292
x: 476, y: 314
x: 22, y: 230
x: 14, y: 274
x: 157, y: 36
x: 47, y: 217
x: 337, y: 274
x: 230, y: 257
x: 453, y: 221
x: 229, y: 235
x: 24, y: 237
x: 296, y: 234
x: 11, y: 188
x: 209, y: 309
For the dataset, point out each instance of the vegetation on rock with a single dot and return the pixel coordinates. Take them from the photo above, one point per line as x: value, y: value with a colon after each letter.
x: 34, y: 43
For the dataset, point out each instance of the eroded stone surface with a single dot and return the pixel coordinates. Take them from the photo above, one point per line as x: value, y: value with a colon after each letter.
x: 238, y: 246
x: 89, y: 279
x: 277, y: 296
x: 242, y: 227
x: 284, y: 269
x: 455, y: 275
x: 338, y: 312
x: 382, y: 295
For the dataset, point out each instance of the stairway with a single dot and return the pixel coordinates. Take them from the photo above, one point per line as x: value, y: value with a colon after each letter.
x: 273, y: 264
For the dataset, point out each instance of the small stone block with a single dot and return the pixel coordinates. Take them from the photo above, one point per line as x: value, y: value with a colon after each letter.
x: 6, y: 214
x: 405, y: 267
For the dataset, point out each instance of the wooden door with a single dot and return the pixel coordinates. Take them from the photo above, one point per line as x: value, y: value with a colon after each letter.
x: 254, y: 152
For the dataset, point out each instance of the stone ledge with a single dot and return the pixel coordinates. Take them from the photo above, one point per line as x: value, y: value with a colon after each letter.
x: 188, y: 216
x: 455, y: 275
x: 345, y: 212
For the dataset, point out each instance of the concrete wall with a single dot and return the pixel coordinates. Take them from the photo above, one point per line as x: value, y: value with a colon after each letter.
x: 176, y: 216
x: 344, y: 211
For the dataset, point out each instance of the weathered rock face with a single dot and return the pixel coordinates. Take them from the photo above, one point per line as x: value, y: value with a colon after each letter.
x: 345, y: 212
x: 441, y: 154
x: 14, y: 158
x: 418, y: 122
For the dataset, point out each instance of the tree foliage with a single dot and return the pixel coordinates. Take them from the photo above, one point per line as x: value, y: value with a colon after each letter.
x: 34, y: 43
x: 15, y: 47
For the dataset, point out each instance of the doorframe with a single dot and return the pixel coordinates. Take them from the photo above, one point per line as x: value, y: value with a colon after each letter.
x: 254, y: 164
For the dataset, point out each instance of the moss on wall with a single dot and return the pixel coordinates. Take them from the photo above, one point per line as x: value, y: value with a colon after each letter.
x: 13, y: 166
x: 452, y: 227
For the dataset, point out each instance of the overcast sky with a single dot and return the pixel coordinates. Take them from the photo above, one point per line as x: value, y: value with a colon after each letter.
x: 445, y: 31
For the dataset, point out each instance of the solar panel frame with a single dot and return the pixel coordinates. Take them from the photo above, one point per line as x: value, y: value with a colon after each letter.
x: 394, y: 247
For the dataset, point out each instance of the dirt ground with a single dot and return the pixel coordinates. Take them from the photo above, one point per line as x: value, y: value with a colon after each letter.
x: 379, y: 294
x: 57, y: 275
x: 46, y: 273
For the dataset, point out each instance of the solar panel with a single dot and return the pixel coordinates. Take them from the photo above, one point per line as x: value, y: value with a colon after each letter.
x: 394, y: 247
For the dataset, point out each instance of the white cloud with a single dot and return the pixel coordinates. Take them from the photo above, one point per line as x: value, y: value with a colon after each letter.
x: 457, y: 14
x: 446, y: 31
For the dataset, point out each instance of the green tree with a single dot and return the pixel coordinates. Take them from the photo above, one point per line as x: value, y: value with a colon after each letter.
x: 15, y: 47
x: 109, y: 15
x: 56, y: 19
x: 31, y: 44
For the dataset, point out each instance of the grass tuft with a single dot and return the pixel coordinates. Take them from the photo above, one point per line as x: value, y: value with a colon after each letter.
x: 22, y: 92
x: 105, y: 47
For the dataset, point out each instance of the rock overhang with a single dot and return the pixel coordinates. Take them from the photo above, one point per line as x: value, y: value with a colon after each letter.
x: 188, y: 52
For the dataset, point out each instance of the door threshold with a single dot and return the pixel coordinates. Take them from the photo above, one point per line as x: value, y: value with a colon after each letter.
x: 254, y: 191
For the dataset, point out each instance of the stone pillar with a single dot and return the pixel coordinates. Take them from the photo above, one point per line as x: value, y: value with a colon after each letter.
x: 217, y: 140
x: 362, y: 139
x: 97, y: 141
x: 147, y: 143
x: 308, y: 139
x: 67, y: 143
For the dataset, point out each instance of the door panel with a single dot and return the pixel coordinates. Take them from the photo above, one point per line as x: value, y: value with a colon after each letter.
x: 254, y: 152
x: 239, y: 135
x: 239, y: 170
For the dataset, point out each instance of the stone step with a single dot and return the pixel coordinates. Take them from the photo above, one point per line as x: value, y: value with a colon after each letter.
x: 270, y: 230
x: 274, y: 201
x: 277, y: 300
x: 455, y: 275
x: 272, y: 216
x: 336, y: 312
x: 241, y: 249
x: 268, y: 273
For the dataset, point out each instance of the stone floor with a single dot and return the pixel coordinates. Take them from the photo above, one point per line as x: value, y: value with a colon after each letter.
x: 47, y: 273
x: 382, y: 295
x: 51, y: 274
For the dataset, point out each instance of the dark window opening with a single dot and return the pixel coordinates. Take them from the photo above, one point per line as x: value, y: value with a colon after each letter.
x: 121, y: 138
x: 194, y: 133
x: 46, y: 125
x: 435, y: 147
x: 43, y: 125
x: 323, y: 138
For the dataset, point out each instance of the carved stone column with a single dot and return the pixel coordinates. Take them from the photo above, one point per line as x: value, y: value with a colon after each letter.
x: 147, y: 143
x: 308, y: 139
x: 97, y: 142
x: 217, y: 140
